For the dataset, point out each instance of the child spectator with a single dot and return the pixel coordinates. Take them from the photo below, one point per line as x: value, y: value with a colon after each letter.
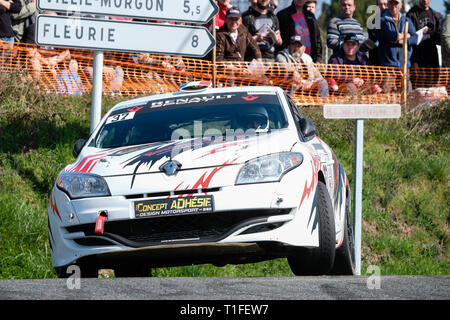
x: 349, y: 54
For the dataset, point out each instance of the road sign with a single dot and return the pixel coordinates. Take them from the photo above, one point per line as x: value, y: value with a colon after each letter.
x: 194, y: 11
x: 361, y: 111
x: 112, y: 35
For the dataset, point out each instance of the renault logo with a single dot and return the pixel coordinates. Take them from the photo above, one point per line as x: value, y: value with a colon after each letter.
x: 170, y: 167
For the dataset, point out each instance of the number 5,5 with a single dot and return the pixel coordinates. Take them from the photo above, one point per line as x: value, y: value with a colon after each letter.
x: 187, y: 8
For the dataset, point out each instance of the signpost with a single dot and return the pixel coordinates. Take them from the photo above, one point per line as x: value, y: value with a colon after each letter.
x: 360, y: 112
x: 114, y: 35
x: 193, y: 11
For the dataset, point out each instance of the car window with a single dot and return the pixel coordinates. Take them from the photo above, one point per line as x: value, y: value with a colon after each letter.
x: 173, y: 122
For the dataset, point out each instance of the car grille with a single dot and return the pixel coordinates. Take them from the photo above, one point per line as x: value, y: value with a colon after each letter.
x: 177, y: 229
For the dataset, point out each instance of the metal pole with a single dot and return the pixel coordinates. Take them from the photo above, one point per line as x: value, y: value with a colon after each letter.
x: 405, y: 64
x: 214, y: 65
x: 357, y: 191
x: 97, y: 82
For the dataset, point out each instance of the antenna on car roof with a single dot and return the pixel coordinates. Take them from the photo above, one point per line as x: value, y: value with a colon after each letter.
x: 195, y: 86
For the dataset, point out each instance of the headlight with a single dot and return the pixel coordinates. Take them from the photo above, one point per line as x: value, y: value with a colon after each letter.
x: 269, y: 168
x: 82, y: 185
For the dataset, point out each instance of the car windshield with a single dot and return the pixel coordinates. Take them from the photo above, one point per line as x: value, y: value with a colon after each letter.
x: 206, y: 116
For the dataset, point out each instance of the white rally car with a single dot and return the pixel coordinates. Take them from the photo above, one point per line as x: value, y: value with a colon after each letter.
x: 227, y: 175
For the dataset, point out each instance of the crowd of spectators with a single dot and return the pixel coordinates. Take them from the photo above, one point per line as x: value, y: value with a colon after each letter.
x: 292, y: 36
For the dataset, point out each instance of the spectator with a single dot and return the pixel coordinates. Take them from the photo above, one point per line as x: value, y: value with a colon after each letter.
x: 392, y: 33
x: 224, y: 5
x: 69, y: 82
x: 234, y: 42
x: 264, y: 27
x: 445, y: 42
x: 310, y: 5
x: 6, y: 32
x: 295, y: 20
x: 425, y: 54
x: 373, y: 34
x: 344, y: 24
x: 23, y: 23
x: 273, y: 5
x: 349, y: 54
x: 294, y: 55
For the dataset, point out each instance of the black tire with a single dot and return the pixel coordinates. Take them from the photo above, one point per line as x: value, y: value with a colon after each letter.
x: 132, y: 270
x: 344, y: 262
x: 318, y: 261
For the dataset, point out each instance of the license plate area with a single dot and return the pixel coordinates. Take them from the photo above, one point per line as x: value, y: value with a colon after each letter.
x: 154, y: 208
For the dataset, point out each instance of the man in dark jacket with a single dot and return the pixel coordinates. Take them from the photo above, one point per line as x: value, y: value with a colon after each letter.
x: 234, y: 42
x: 294, y: 20
x: 392, y: 33
x: 426, y: 54
x: 6, y: 31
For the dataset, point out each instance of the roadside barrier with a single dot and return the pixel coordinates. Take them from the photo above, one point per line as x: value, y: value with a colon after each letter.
x: 60, y: 71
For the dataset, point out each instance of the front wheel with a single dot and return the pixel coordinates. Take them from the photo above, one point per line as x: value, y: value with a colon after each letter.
x: 344, y: 263
x: 320, y: 260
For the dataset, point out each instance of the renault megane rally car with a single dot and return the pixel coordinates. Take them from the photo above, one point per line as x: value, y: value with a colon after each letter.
x: 226, y: 175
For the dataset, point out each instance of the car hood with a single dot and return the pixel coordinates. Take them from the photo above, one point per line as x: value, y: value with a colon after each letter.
x: 186, y: 154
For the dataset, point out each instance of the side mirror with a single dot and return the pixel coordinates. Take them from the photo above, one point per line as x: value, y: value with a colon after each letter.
x: 307, y: 127
x: 78, y: 146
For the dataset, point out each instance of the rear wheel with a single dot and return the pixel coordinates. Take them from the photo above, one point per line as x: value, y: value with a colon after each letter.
x: 320, y: 260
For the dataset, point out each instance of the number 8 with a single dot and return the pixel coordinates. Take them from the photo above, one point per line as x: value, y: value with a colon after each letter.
x: 194, y: 41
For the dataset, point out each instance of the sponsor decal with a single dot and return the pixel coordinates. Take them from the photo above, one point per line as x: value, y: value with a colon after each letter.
x: 250, y: 98
x: 120, y: 117
x: 173, y: 206
x: 189, y: 100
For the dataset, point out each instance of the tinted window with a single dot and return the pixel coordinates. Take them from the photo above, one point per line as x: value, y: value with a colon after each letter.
x: 167, y: 120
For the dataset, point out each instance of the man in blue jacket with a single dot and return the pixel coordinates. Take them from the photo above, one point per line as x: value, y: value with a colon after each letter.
x: 392, y: 33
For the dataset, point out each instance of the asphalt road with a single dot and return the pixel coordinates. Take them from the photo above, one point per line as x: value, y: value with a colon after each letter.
x: 203, y: 289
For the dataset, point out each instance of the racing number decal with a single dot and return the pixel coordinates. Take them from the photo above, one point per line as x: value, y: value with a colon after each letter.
x: 120, y: 117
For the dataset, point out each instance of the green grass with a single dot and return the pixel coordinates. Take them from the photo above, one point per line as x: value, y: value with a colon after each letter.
x: 406, y: 196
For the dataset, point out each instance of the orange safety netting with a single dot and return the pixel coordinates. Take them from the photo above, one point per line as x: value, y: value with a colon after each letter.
x: 61, y: 71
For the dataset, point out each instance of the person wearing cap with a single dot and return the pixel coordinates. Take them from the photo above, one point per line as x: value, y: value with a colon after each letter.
x: 296, y: 20
x: 234, y: 42
x: 349, y: 57
x: 391, y: 35
x: 263, y: 25
x: 294, y: 58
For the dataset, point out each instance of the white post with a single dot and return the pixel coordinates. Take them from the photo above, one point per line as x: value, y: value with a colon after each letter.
x: 97, y: 83
x: 357, y: 195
